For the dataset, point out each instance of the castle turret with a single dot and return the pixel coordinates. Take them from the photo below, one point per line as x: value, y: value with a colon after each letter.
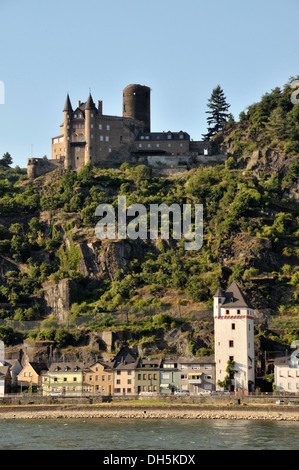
x: 67, y: 115
x: 219, y: 298
x: 90, y: 111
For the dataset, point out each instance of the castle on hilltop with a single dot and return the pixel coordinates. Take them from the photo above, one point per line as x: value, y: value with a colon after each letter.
x: 89, y: 136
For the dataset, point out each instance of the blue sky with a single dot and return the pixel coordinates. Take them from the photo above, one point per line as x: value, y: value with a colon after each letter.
x: 182, y: 50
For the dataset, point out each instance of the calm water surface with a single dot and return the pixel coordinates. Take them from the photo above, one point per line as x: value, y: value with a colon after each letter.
x: 136, y: 434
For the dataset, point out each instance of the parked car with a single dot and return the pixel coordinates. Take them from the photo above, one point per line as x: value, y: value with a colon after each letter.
x: 148, y: 393
x: 279, y: 402
x: 182, y: 393
x: 205, y: 392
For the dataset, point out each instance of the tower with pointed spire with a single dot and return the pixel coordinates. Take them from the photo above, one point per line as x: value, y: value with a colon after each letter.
x: 67, y: 115
x: 234, y: 338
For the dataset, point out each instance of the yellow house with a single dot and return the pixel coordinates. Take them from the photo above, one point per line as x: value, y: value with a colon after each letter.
x: 63, y: 378
x: 31, y: 374
x: 98, y: 379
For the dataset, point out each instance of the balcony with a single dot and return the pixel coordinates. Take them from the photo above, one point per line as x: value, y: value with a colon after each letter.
x: 194, y: 379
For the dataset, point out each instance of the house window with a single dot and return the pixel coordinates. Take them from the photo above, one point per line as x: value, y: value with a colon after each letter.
x: 91, y: 126
x: 238, y: 312
x: 91, y: 114
x: 231, y: 343
x: 227, y: 312
x: 108, y: 127
x: 118, y: 381
x: 100, y: 126
x: 107, y: 138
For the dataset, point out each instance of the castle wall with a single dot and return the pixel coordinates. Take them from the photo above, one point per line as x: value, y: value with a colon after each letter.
x: 40, y: 166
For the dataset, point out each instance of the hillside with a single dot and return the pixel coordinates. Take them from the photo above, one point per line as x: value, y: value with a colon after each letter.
x: 155, y: 294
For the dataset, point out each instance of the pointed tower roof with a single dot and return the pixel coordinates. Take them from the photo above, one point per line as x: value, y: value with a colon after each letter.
x: 235, y: 297
x: 68, y: 105
x: 219, y: 293
x: 89, y: 103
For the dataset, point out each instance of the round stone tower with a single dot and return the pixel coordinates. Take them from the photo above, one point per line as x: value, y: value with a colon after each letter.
x: 137, y: 104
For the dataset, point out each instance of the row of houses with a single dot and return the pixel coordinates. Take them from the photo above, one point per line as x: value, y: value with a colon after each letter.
x: 125, y: 375
x: 128, y: 375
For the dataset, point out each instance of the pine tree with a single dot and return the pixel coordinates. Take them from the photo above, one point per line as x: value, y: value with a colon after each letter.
x: 218, y: 112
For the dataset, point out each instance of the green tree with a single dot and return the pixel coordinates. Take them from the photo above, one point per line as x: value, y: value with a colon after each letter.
x: 218, y: 110
x: 6, y: 160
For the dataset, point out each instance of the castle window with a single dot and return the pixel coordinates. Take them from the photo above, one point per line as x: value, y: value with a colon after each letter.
x: 227, y: 312
x: 100, y: 126
x: 108, y: 127
x: 231, y: 343
x: 91, y: 115
x: 238, y: 312
x: 233, y: 326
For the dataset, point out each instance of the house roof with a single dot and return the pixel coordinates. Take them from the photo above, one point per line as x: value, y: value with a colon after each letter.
x: 38, y: 367
x: 197, y: 360
x: 67, y: 367
x: 124, y: 356
x: 3, y: 371
x: 234, y: 297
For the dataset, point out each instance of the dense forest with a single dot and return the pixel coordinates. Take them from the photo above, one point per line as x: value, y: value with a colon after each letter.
x: 250, y: 234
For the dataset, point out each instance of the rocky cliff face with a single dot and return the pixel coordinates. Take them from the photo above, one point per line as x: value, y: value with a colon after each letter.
x: 58, y: 298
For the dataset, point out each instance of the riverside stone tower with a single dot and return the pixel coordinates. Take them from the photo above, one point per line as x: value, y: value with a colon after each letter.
x: 234, y: 337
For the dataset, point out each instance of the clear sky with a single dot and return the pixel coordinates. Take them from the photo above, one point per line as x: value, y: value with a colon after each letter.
x: 181, y: 49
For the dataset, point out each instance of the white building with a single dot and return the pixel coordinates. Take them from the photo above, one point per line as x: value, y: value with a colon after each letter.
x: 234, y: 338
x: 286, y: 373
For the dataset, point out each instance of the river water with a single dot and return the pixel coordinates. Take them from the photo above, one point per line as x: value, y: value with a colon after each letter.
x: 154, y: 434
